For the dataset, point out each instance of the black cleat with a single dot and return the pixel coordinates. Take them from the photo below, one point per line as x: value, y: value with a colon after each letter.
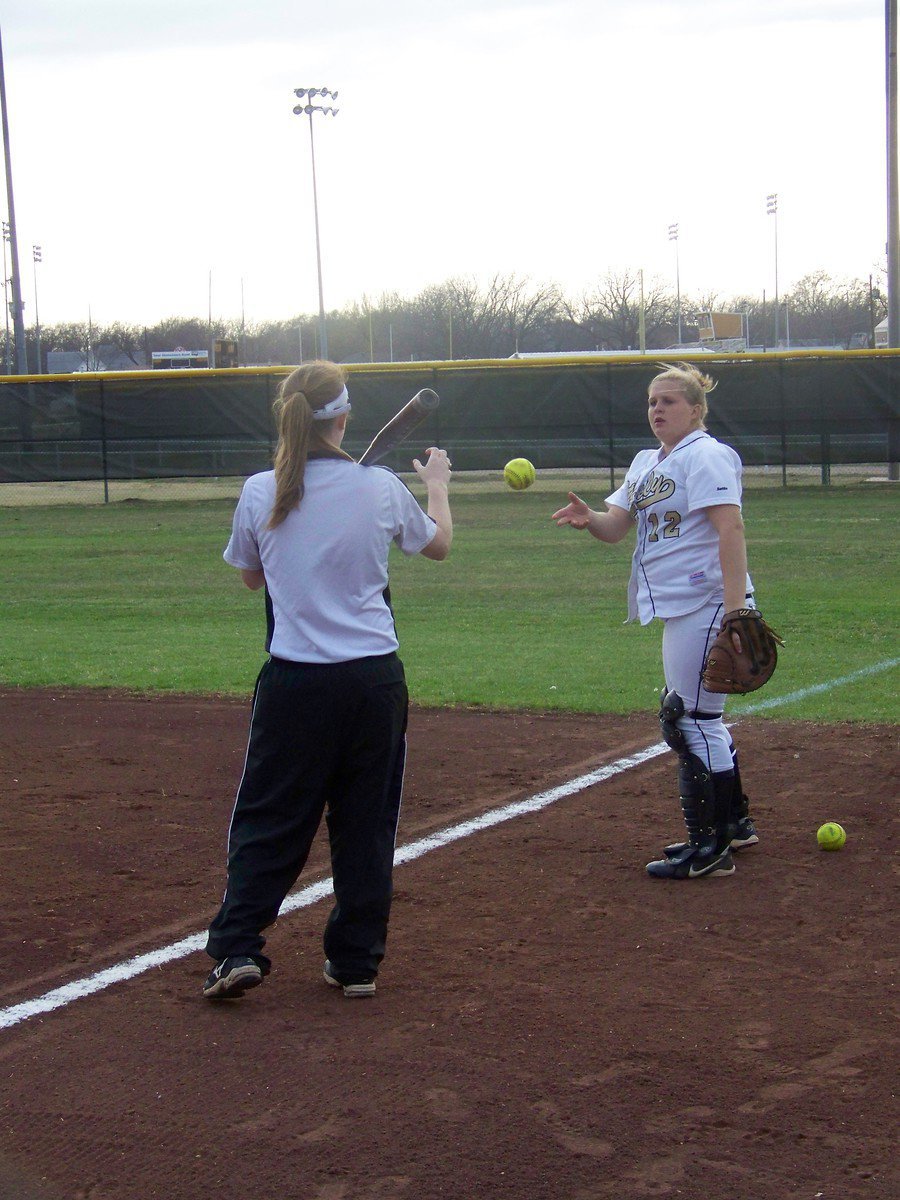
x: 232, y: 977
x: 745, y: 835
x: 693, y: 862
x: 354, y: 989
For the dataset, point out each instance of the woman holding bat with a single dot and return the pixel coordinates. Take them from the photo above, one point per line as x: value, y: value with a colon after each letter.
x: 328, y: 724
x: 689, y: 569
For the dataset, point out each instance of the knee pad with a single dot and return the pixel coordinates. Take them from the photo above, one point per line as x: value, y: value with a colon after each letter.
x: 671, y: 710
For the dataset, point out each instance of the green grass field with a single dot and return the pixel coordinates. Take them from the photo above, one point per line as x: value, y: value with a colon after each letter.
x: 137, y: 596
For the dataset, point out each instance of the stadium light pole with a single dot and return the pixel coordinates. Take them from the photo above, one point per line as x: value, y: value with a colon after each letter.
x: 893, y: 214
x: 16, y: 305
x: 673, y: 237
x: 6, y: 370
x: 37, y: 257
x: 772, y: 210
x: 893, y: 188
x: 308, y: 109
x: 242, y: 357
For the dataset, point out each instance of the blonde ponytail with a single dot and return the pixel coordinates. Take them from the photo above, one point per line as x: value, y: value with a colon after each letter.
x: 307, y: 388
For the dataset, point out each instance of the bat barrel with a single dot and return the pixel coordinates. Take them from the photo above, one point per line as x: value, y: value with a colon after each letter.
x: 427, y: 398
x: 401, y: 425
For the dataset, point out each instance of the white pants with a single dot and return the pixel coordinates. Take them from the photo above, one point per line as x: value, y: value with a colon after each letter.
x: 685, y: 644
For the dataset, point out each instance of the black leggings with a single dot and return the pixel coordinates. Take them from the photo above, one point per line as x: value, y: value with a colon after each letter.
x: 323, y: 738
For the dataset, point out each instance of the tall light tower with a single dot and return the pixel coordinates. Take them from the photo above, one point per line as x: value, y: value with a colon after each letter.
x: 6, y: 304
x: 772, y: 210
x: 36, y: 258
x: 893, y: 184
x: 308, y: 109
x: 673, y: 237
x: 893, y: 212
x: 16, y: 305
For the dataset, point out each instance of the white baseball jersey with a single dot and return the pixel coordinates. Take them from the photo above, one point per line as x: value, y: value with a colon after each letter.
x: 326, y: 565
x: 675, y: 568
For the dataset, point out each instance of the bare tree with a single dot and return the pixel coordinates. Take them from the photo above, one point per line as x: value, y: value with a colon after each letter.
x: 830, y: 312
x: 130, y: 340
x: 72, y: 336
x: 611, y: 313
x: 463, y: 319
x: 496, y: 321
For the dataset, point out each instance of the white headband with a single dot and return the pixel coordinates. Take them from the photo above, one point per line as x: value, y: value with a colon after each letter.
x: 334, y: 408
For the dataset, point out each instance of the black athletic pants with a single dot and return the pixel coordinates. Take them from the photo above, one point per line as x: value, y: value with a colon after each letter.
x: 323, y: 738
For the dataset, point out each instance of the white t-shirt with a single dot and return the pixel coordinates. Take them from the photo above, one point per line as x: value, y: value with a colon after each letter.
x: 326, y: 565
x: 675, y: 568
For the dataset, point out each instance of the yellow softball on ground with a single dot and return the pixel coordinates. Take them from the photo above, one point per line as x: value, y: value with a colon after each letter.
x: 831, y: 836
x: 519, y: 474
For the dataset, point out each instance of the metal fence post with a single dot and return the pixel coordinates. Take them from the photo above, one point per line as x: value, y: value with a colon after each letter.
x: 783, y: 411
x: 612, y: 436
x: 826, y: 457
x: 103, y: 444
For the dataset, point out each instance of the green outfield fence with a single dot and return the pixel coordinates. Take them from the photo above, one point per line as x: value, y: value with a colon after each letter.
x: 779, y: 410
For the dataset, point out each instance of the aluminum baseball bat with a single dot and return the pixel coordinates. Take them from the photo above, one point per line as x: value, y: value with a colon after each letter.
x: 401, y: 425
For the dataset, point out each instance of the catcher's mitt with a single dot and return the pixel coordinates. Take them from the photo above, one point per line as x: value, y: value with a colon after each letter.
x: 730, y: 670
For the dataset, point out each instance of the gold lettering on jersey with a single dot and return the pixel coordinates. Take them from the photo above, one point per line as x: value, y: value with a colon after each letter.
x: 671, y: 528
x: 655, y: 488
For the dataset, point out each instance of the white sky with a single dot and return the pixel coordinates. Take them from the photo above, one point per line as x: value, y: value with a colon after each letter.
x: 153, y: 141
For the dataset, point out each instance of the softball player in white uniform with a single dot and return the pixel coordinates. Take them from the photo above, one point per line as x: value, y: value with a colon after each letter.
x: 328, y: 725
x: 689, y: 568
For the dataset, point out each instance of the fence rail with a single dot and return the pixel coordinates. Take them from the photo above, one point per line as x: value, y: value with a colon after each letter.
x: 779, y: 410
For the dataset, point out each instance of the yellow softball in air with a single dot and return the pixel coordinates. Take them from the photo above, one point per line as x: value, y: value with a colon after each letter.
x: 831, y: 836
x: 519, y: 474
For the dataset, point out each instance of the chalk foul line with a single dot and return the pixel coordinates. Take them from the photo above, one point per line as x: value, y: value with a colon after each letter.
x: 818, y: 688
x: 80, y: 988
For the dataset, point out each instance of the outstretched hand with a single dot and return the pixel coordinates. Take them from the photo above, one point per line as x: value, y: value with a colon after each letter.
x: 436, y: 469
x: 576, y: 513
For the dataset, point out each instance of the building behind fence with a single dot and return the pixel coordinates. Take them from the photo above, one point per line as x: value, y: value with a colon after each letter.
x: 778, y: 410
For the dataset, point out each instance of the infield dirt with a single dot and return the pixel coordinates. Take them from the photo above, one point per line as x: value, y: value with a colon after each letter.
x: 550, y: 1022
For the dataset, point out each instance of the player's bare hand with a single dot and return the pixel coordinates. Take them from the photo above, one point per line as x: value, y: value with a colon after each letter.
x: 576, y: 513
x: 436, y: 469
